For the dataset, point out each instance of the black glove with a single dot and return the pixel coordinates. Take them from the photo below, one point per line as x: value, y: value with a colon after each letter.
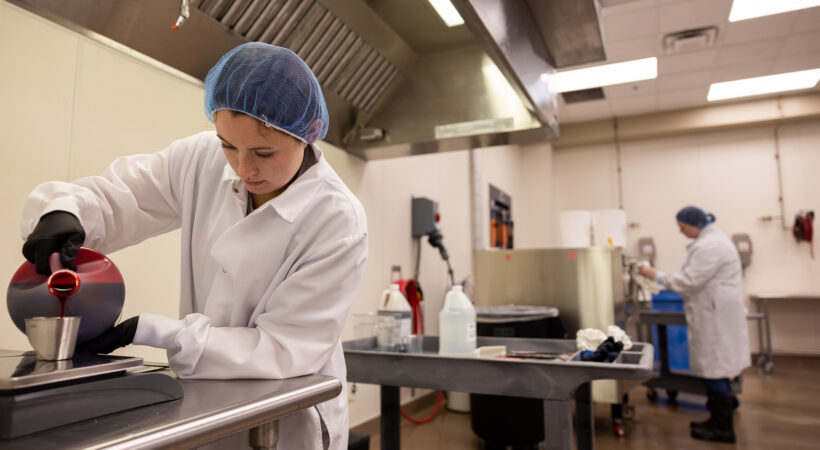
x: 112, y: 339
x: 57, y: 231
x: 607, y: 351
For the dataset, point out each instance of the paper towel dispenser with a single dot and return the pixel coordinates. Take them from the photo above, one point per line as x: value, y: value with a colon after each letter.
x: 646, y: 249
x: 743, y: 243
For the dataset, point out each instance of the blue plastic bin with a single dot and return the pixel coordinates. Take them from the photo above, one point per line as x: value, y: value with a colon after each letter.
x: 676, y: 335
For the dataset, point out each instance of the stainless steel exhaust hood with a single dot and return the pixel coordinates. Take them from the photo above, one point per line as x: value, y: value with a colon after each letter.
x: 397, y: 80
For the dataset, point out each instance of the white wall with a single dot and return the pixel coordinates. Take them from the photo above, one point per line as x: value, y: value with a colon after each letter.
x: 730, y: 173
x: 524, y: 173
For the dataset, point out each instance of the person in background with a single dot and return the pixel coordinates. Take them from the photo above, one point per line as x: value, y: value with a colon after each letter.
x: 710, y: 283
x: 274, y: 244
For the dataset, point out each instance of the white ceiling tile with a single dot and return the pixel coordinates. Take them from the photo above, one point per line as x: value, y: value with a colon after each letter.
x: 645, y: 87
x: 591, y: 110
x: 643, y: 22
x: 684, y: 98
x: 684, y: 62
x: 635, y: 28
x: 796, y: 62
x: 630, y: 49
x: 743, y: 53
x: 692, y: 14
x: 564, y: 118
x: 741, y: 71
x: 800, y: 43
x: 564, y: 115
x: 758, y: 29
x: 630, y: 106
x: 613, y: 7
x: 685, y: 80
x: 808, y: 19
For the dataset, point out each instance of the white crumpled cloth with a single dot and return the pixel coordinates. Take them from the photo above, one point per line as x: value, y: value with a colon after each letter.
x: 591, y: 338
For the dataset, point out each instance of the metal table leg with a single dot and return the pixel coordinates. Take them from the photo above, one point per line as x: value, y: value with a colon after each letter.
x: 558, y: 424
x: 265, y: 436
x: 770, y: 363
x: 663, y: 349
x: 764, y: 348
x: 390, y: 425
x: 584, y: 418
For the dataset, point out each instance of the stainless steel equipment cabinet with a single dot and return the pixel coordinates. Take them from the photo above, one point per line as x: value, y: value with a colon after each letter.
x: 554, y: 381
x: 209, y: 410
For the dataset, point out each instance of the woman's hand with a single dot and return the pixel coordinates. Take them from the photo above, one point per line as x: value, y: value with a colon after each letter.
x: 648, y: 271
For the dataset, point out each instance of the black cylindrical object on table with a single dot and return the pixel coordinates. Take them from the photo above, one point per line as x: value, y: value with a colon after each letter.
x: 502, y: 421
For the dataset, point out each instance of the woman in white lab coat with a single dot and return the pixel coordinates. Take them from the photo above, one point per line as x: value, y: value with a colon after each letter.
x: 710, y: 283
x: 273, y: 243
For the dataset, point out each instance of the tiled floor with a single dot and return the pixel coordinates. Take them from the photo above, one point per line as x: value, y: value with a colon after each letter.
x: 777, y: 411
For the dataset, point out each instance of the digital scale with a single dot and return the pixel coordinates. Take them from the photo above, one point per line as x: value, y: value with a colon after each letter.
x: 36, y: 395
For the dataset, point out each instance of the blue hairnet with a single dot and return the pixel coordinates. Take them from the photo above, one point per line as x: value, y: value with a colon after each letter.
x: 692, y: 215
x: 271, y: 84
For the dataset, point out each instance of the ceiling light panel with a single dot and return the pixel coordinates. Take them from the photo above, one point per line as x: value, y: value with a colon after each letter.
x: 804, y: 79
x: 447, y: 12
x: 750, y: 9
x: 605, y: 75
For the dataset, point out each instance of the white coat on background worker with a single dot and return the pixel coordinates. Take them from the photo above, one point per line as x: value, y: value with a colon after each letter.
x: 273, y: 243
x: 710, y: 283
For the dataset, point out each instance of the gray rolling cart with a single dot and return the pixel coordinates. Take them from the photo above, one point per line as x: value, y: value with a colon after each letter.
x: 555, y: 381
x: 672, y: 381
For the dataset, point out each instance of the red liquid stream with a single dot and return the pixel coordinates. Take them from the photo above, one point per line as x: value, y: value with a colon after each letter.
x: 62, y: 286
x: 62, y: 300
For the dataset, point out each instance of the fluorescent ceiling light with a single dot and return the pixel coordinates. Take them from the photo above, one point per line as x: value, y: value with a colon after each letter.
x: 606, y: 75
x: 791, y: 81
x: 749, y: 9
x: 447, y: 12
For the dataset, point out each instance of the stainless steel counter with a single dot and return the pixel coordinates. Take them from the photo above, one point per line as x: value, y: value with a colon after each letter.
x: 209, y: 410
x: 555, y: 381
x: 765, y: 358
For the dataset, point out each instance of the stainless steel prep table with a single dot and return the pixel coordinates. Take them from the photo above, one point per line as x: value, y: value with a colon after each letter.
x: 209, y: 410
x: 761, y: 302
x: 555, y: 381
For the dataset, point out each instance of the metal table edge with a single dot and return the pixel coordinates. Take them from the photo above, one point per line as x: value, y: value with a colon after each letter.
x: 229, y: 420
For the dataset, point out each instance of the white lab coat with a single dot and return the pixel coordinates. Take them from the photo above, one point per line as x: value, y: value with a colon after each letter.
x: 710, y: 283
x: 264, y: 295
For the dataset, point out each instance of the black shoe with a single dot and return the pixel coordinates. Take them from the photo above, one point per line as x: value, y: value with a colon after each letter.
x: 701, y: 425
x: 713, y: 434
x: 710, y: 407
x: 720, y: 427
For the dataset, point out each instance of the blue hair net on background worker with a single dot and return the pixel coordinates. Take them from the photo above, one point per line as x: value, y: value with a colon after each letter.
x: 710, y: 283
x: 271, y: 84
x: 274, y: 244
x: 694, y: 216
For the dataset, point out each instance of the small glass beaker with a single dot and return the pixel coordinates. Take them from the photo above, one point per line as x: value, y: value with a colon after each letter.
x: 364, y: 325
x: 388, y: 333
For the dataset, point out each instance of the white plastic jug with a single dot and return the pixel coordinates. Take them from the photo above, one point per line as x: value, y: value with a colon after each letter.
x: 394, y: 320
x: 457, y: 327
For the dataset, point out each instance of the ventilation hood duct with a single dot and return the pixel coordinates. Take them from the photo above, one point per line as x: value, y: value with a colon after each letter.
x: 397, y: 80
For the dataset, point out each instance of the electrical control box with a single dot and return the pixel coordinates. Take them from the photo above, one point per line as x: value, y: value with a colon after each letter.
x: 425, y: 216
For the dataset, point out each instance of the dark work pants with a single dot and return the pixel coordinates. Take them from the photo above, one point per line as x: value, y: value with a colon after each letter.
x: 718, y: 386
